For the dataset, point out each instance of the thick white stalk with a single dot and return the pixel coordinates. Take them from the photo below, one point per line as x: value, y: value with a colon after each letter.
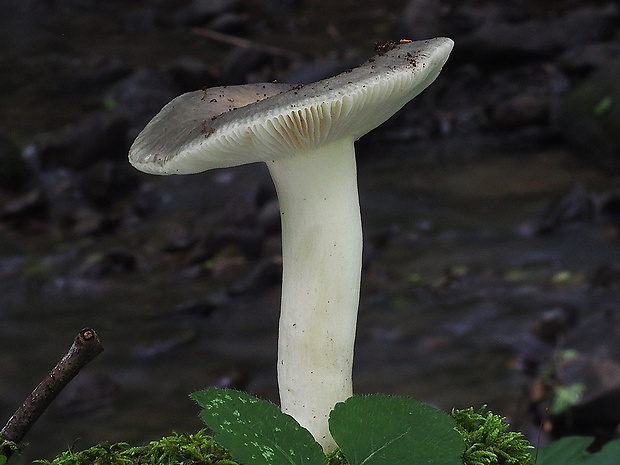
x: 322, y: 260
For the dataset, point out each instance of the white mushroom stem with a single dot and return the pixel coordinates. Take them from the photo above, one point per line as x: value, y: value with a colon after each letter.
x: 322, y: 259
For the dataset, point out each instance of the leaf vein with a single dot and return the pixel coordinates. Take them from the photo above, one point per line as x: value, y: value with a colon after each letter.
x: 407, y: 431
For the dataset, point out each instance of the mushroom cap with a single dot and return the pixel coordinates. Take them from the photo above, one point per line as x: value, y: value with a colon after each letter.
x: 229, y: 126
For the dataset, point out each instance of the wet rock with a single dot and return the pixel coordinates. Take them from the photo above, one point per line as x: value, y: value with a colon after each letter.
x: 232, y: 379
x: 465, y: 17
x: 529, y: 138
x: 106, y: 182
x: 242, y: 210
x: 539, y: 38
x: 86, y: 394
x: 97, y: 136
x: 242, y: 63
x: 201, y: 12
x: 84, y: 221
x: 228, y: 265
x: 606, y: 276
x: 12, y: 265
x: 192, y: 272
x: 142, y: 21
x: 284, y: 14
x: 190, y: 73
x: 68, y: 209
x: 161, y: 339
x: 23, y: 207
x: 248, y: 240
x: 579, y: 206
x: 596, y: 332
x: 113, y: 262
x: 521, y: 110
x: 201, y: 308
x: 610, y: 208
x: 269, y: 217
x: 231, y: 23
x: 145, y: 201
x: 376, y: 240
x: 282, y: 7
x: 224, y: 253
x: 140, y: 96
x: 575, y: 207
x: 88, y: 77
x: 459, y: 111
x: 14, y: 169
x: 590, y: 116
x: 195, y: 257
x: 595, y: 407
x: 555, y: 322
x: 586, y: 57
x: 422, y: 19
x: 265, y: 274
x: 181, y: 240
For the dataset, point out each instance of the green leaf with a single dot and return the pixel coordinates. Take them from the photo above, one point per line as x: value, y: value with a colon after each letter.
x: 256, y: 431
x: 603, y: 106
x: 3, y: 459
x: 573, y: 450
x: 382, y: 430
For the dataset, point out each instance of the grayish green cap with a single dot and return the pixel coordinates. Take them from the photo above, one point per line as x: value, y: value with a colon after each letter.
x: 229, y: 126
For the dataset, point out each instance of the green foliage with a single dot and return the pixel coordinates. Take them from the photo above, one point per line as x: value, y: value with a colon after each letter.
x: 573, y: 450
x: 380, y: 429
x: 256, y: 431
x: 6, y: 449
x: 487, y: 440
x: 178, y: 449
x: 370, y: 430
x: 603, y: 106
x: 336, y: 457
x: 566, y: 397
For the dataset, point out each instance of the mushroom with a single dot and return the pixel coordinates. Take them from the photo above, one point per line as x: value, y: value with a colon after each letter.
x: 306, y: 136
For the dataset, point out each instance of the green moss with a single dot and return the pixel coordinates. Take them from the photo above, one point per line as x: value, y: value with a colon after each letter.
x: 336, y: 457
x: 178, y: 449
x: 487, y: 443
x: 487, y: 440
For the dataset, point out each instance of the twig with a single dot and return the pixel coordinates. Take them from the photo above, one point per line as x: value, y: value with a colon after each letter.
x: 241, y: 42
x: 86, y: 347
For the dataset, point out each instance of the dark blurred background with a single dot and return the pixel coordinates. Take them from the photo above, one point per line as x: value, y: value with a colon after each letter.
x: 491, y: 208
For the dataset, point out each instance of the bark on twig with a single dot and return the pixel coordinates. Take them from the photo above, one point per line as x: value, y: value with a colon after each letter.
x: 240, y: 42
x: 86, y: 347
